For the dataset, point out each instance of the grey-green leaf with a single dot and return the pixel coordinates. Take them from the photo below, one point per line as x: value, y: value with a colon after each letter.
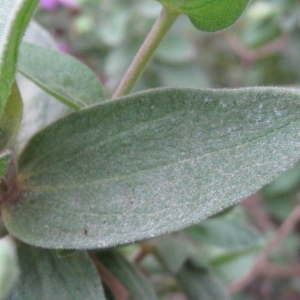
x: 60, y: 75
x: 134, y: 281
x: 14, y: 18
x: 151, y: 163
x: 208, y: 15
x: 39, y: 108
x: 45, y: 275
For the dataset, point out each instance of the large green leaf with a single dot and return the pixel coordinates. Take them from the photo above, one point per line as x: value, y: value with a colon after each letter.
x: 11, y: 118
x: 45, y: 275
x: 208, y: 15
x: 60, y: 75
x: 151, y: 163
x: 14, y: 18
x: 134, y: 281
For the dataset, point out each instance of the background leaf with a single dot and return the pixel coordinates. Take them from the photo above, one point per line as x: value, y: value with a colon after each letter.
x: 229, y: 234
x: 232, y: 265
x: 208, y: 15
x: 151, y: 163
x: 75, y: 276
x: 9, y: 269
x: 173, y: 251
x: 4, y: 161
x: 60, y: 75
x: 199, y: 283
x: 134, y: 281
x: 14, y: 18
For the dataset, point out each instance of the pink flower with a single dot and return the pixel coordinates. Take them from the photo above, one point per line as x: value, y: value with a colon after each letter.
x: 51, y: 5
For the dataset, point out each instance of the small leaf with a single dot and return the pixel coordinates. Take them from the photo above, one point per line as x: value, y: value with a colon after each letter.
x: 173, y: 251
x: 11, y: 118
x: 3, y: 231
x: 14, y: 18
x: 127, y: 275
x: 4, y: 162
x: 9, y: 269
x: 231, y: 266
x: 229, y: 234
x: 44, y: 275
x: 60, y: 75
x: 208, y: 15
x: 151, y: 163
x: 65, y: 252
x: 199, y: 283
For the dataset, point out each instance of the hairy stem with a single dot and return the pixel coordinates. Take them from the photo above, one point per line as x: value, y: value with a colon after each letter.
x: 157, y: 33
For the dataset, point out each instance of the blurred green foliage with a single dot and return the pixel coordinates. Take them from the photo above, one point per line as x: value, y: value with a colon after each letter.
x: 261, y: 49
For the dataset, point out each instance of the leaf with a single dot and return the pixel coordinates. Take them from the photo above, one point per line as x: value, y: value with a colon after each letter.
x: 208, y: 15
x: 231, y: 266
x: 14, y: 18
x: 36, y: 34
x: 4, y: 162
x: 229, y: 234
x: 200, y: 283
x: 283, y: 186
x: 44, y: 275
x: 151, y: 163
x: 39, y: 108
x: 134, y: 281
x: 60, y: 75
x: 11, y: 118
x: 173, y: 251
x: 9, y: 269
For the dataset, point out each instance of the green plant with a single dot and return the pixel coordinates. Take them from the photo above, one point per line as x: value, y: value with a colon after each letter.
x: 121, y: 170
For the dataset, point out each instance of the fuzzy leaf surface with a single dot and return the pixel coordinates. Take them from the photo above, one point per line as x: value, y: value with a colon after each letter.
x: 45, y: 275
x: 151, y: 163
x: 208, y: 15
x: 14, y: 18
x: 60, y: 75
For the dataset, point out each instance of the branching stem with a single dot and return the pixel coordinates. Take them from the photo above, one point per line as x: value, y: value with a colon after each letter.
x: 155, y: 36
